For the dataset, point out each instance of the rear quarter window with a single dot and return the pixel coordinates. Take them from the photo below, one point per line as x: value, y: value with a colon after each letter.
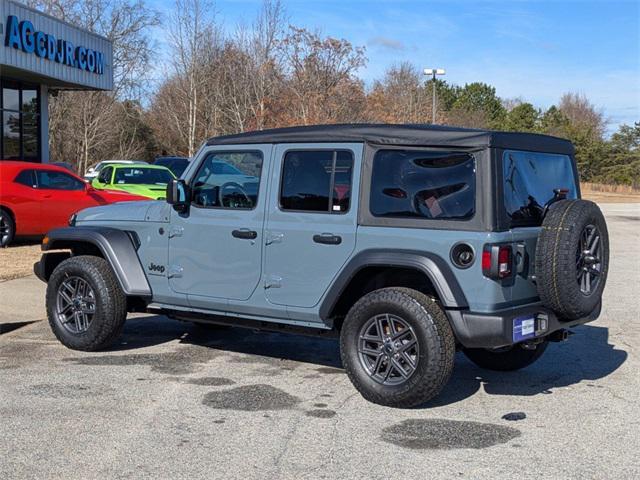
x: 438, y: 185
x: 529, y: 182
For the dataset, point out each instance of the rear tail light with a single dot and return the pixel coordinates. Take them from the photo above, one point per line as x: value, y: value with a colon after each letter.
x: 497, y: 261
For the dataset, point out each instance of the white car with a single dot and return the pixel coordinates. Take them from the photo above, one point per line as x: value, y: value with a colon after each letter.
x: 94, y: 171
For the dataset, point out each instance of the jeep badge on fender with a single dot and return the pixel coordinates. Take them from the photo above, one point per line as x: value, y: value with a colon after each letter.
x: 156, y: 268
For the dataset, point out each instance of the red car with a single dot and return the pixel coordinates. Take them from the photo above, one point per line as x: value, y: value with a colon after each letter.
x: 35, y: 198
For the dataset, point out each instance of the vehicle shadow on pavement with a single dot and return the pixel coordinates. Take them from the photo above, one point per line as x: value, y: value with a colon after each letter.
x: 586, y: 356
x: 149, y: 331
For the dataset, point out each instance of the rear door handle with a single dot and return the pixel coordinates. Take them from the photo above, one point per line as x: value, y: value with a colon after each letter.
x: 245, y: 234
x: 328, y: 239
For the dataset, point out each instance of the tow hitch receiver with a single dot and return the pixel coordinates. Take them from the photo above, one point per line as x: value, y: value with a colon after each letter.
x: 561, y: 335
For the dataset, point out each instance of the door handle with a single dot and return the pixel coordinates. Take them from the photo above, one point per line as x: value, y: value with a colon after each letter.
x: 245, y: 234
x: 328, y: 239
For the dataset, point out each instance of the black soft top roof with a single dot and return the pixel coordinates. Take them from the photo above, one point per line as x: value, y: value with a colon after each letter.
x: 408, y: 135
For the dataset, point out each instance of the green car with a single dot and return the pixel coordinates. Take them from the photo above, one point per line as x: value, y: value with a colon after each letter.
x: 146, y: 180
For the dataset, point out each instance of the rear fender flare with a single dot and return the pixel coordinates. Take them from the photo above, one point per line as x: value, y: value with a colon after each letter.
x: 432, y: 265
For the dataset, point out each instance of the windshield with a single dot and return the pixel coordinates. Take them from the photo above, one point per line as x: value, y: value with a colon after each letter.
x: 142, y: 176
x: 529, y: 181
x: 175, y: 164
x: 223, y: 168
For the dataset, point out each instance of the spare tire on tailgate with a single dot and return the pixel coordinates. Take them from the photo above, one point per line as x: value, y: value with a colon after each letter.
x: 572, y: 258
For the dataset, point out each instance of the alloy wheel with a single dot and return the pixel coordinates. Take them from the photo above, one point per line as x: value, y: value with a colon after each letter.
x: 388, y: 349
x: 75, y: 305
x: 588, y: 261
x: 5, y: 229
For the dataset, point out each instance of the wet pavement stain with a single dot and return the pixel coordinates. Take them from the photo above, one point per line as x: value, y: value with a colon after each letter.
x: 179, y: 362
x: 423, y: 434
x: 209, y: 381
x: 251, y: 398
x: 321, y: 413
x: 514, y: 416
x: 330, y: 371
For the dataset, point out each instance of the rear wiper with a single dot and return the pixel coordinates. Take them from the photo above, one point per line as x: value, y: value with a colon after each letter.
x: 558, y: 194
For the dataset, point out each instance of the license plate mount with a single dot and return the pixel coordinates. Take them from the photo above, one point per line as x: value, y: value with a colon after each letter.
x: 524, y: 328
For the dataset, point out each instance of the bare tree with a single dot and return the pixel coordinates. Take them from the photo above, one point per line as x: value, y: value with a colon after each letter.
x: 322, y: 84
x: 81, y: 123
x: 191, y: 37
x: 400, y: 96
x: 583, y: 114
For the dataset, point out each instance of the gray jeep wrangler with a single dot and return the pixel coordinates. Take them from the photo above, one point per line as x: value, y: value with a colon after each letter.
x: 406, y: 241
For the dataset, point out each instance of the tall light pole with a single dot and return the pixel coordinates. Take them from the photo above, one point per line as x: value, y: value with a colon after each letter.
x: 433, y: 72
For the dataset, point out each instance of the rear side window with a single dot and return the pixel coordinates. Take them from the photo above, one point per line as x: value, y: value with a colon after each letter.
x: 423, y: 184
x: 316, y: 181
x: 26, y: 178
x: 51, y: 180
x: 529, y: 181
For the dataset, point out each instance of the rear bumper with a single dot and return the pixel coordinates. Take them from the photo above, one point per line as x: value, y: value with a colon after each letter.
x: 492, y: 330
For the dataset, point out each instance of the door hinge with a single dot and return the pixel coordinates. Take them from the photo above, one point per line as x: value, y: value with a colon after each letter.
x: 175, y: 271
x: 273, y: 281
x: 176, y: 232
x: 273, y: 237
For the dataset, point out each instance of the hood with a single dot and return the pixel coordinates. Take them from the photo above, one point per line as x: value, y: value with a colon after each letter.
x: 111, y: 196
x: 118, y: 212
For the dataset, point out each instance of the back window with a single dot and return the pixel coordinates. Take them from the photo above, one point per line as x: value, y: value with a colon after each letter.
x: 529, y: 181
x: 438, y: 185
x: 142, y: 176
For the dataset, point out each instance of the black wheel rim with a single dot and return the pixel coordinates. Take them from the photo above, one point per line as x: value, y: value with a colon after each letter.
x: 75, y: 305
x: 5, y: 229
x: 388, y: 349
x: 588, y: 260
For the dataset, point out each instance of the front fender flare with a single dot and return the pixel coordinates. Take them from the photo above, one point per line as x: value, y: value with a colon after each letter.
x: 116, y: 247
x: 433, y: 266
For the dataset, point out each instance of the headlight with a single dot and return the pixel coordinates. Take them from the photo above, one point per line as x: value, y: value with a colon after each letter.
x: 72, y: 220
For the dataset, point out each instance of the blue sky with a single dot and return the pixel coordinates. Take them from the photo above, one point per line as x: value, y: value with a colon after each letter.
x: 536, y: 50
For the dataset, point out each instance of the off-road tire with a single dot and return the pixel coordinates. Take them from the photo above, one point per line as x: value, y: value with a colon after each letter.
x: 433, y: 334
x: 7, y: 219
x: 505, y: 360
x: 110, y: 303
x: 555, y: 258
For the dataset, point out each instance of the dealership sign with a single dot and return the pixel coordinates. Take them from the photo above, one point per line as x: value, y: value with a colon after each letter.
x: 23, y: 36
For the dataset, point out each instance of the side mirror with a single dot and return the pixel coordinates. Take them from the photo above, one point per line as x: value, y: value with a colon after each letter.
x: 178, y: 195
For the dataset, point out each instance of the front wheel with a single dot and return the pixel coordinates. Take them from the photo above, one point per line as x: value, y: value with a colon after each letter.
x: 505, y: 359
x: 397, y: 347
x: 85, y: 305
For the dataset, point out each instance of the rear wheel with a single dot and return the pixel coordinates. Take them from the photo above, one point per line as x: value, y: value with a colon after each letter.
x: 505, y: 359
x: 397, y: 347
x: 7, y: 228
x: 85, y: 305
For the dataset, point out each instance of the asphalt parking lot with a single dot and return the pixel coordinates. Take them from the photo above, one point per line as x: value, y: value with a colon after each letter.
x: 174, y: 401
